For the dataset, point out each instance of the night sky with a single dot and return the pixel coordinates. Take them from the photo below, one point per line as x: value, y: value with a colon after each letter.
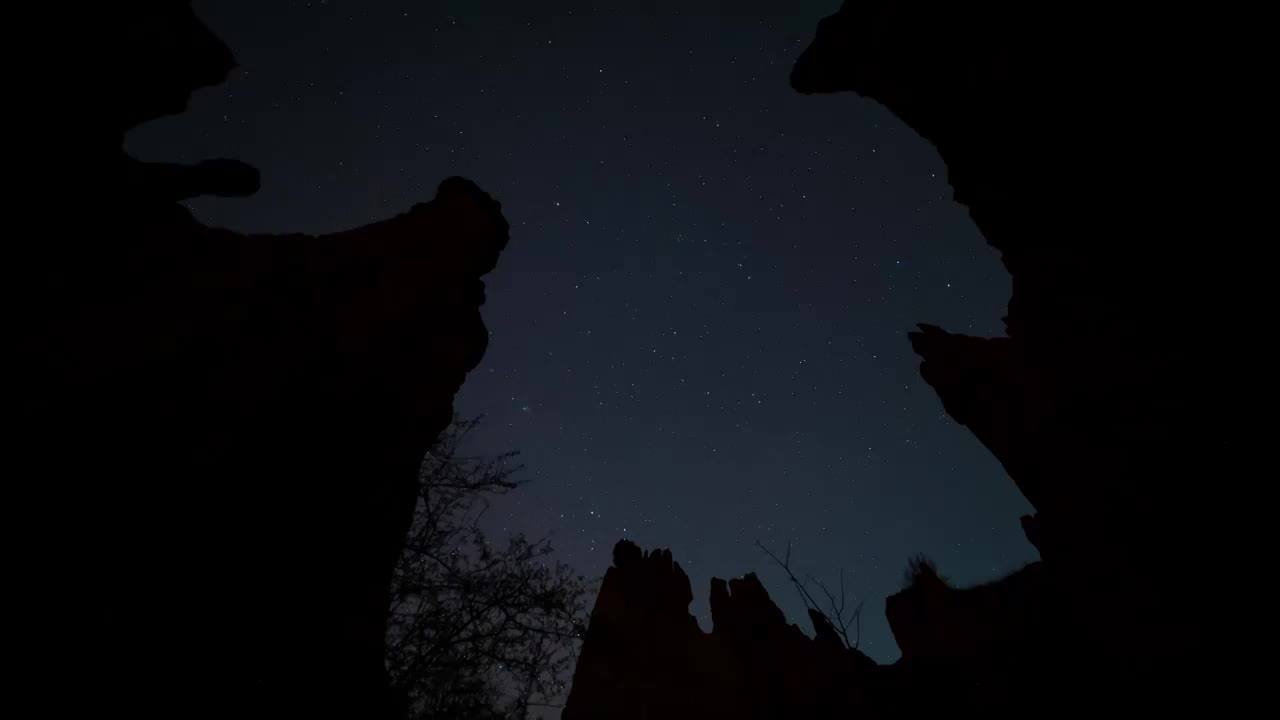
x: 699, y: 327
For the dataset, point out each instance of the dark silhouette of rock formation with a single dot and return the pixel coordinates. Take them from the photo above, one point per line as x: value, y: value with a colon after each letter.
x: 1071, y: 141
x: 1114, y: 401
x: 224, y: 431
x: 645, y: 656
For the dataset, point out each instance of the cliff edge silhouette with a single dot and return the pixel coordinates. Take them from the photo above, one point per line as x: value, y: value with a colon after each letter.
x: 222, y: 432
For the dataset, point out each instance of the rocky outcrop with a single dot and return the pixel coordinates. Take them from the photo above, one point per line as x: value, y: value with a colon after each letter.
x: 222, y: 432
x: 1056, y: 130
x: 645, y: 656
x: 1114, y: 402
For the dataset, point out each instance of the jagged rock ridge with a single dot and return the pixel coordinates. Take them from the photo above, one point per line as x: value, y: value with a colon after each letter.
x: 645, y: 656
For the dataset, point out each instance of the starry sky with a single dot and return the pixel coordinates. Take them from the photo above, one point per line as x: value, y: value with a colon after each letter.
x: 699, y: 327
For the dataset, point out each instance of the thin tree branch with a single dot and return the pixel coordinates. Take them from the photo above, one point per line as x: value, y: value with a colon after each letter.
x: 835, y: 615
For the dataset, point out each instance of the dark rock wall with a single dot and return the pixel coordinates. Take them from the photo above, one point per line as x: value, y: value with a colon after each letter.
x: 221, y: 433
x: 1085, y: 157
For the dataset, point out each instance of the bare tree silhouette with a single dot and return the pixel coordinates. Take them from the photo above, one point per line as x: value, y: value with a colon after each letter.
x: 478, y: 629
